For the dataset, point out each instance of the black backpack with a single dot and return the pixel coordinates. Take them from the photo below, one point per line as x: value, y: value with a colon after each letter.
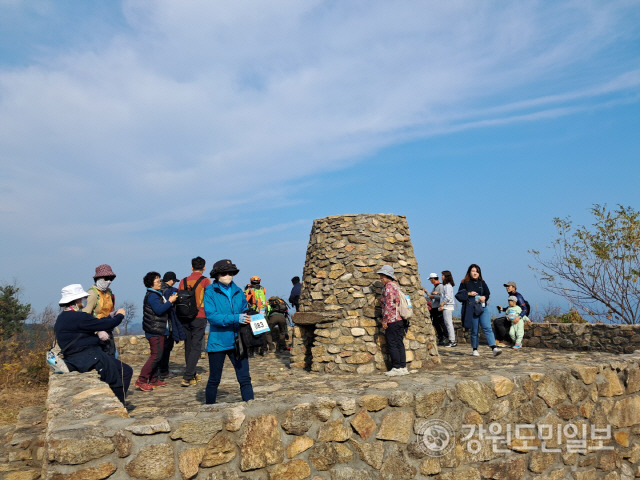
x: 278, y: 305
x: 187, y: 305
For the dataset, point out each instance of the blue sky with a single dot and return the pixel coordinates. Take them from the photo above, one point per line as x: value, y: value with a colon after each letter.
x: 142, y: 134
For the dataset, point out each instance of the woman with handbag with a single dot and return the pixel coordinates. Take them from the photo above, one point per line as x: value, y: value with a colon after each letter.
x: 80, y: 346
x: 474, y: 293
x: 225, y: 306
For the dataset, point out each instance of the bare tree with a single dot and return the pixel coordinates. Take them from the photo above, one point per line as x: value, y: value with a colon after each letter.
x: 130, y: 312
x: 596, y: 268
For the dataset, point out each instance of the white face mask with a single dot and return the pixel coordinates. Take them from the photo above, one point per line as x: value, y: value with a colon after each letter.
x: 103, y: 284
x: 225, y: 279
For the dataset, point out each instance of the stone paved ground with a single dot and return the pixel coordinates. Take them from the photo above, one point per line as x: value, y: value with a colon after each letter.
x: 273, y: 379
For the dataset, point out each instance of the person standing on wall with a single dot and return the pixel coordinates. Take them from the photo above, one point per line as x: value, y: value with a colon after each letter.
x: 100, y: 304
x: 256, y: 296
x: 226, y: 308
x: 392, y: 322
x: 474, y: 294
x: 436, y: 313
x: 294, y: 296
x: 155, y: 323
x: 446, y: 306
x: 194, y: 329
x: 176, y: 333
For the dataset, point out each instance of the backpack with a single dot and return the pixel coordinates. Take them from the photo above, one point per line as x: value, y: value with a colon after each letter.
x: 278, y: 305
x: 404, y: 309
x: 255, y: 298
x: 187, y: 305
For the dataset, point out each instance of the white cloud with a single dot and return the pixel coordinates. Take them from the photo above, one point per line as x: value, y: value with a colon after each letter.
x: 206, y: 102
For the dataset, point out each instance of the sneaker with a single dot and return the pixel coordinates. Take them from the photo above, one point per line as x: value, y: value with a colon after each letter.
x: 496, y: 351
x: 476, y: 353
x: 501, y: 343
x: 157, y: 383
x: 144, y: 386
x: 516, y: 346
x: 402, y: 371
x: 394, y: 372
x: 451, y: 344
x: 188, y: 383
x: 197, y: 377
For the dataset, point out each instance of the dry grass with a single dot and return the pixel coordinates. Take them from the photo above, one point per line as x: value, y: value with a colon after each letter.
x: 14, y: 398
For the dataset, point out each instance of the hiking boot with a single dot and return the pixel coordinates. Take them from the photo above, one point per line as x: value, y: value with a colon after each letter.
x: 156, y: 382
x: 142, y: 385
x: 188, y: 383
x: 476, y: 353
x: 197, y: 377
x: 496, y: 351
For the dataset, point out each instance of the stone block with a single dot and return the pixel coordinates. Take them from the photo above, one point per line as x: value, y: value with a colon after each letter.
x: 150, y: 426
x: 501, y: 385
x: 221, y: 449
x: 299, y: 445
x: 198, y: 432
x: 260, y: 444
x: 428, y: 403
x: 611, y: 385
x: 551, y: 391
x: 334, y: 431
x: 293, y: 470
x: 363, y: 424
x: 79, y: 445
x: 396, y: 426
x: 371, y: 453
x: 153, y: 462
x: 298, y: 419
x: 373, y: 403
x: 189, y: 462
x: 475, y: 394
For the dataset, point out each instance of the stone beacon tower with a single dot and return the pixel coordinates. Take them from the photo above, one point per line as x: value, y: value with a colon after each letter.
x: 339, y: 328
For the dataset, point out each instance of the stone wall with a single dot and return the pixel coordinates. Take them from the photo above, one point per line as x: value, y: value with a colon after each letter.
x: 338, y: 327
x: 574, y: 336
x: 385, y: 434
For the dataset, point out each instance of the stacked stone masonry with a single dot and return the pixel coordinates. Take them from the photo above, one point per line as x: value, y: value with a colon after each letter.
x: 376, y: 435
x: 338, y: 327
x: 597, y: 337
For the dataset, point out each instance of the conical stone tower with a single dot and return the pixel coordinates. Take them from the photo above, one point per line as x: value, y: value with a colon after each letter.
x: 339, y: 324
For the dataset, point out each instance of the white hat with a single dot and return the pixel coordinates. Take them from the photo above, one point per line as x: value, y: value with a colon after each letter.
x: 433, y: 275
x: 71, y: 293
x: 388, y: 271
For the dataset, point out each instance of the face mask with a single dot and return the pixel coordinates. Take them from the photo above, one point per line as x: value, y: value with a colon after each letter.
x: 103, y: 284
x: 225, y: 279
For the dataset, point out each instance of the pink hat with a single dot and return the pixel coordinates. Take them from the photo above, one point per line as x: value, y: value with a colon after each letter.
x: 104, y: 270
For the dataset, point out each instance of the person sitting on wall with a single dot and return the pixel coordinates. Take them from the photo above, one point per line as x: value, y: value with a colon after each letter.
x: 75, y: 334
x: 501, y: 325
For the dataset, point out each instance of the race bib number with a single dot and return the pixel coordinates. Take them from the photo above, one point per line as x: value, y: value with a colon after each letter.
x: 259, y: 324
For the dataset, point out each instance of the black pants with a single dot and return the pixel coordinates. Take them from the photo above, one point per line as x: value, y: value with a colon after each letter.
x: 194, y: 331
x: 278, y: 326
x: 437, y: 320
x: 394, y: 334
x: 501, y: 326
